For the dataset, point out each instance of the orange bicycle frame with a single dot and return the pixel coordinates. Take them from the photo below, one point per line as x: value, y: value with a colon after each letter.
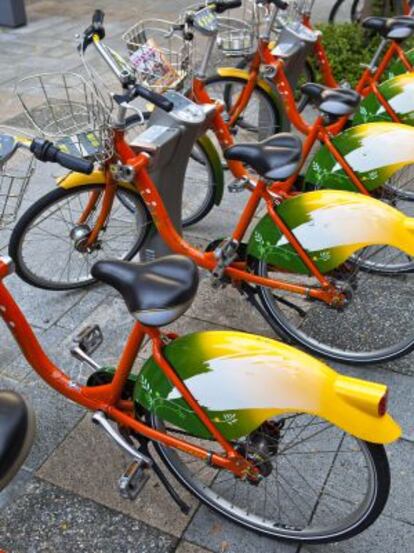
x: 315, y: 131
x: 107, y: 397
x: 367, y: 79
x: 207, y: 260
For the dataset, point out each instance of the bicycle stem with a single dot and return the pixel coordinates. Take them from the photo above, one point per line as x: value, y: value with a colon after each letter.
x: 202, y: 72
x: 267, y: 33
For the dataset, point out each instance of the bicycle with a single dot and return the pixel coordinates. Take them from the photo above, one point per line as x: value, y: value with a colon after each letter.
x: 385, y: 77
x: 356, y: 8
x: 292, y: 27
x: 306, y: 239
x: 236, y: 39
x: 342, y: 161
x: 216, y: 443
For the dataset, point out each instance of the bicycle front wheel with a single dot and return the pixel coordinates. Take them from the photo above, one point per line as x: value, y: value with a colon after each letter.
x: 199, y: 187
x: 48, y: 242
x: 261, y: 118
x: 375, y: 324
x: 318, y: 484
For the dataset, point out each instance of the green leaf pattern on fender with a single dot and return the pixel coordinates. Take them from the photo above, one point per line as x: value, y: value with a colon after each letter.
x: 331, y: 226
x: 398, y: 92
x: 208, y: 362
x: 375, y: 151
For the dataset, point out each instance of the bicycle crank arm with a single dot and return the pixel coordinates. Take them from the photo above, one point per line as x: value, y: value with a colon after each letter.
x: 85, y: 343
x: 100, y: 418
x: 81, y: 356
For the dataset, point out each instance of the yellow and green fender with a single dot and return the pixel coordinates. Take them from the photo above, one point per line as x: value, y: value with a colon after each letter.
x: 331, y: 226
x: 258, y: 378
x: 398, y: 92
x: 73, y: 180
x: 375, y: 151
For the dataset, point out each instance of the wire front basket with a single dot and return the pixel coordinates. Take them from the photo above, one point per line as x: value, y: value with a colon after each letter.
x: 235, y: 37
x: 65, y: 108
x: 15, y: 175
x: 160, y: 56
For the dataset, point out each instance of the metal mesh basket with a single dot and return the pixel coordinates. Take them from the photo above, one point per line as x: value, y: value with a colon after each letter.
x: 235, y: 37
x: 65, y: 108
x: 15, y: 175
x: 160, y: 56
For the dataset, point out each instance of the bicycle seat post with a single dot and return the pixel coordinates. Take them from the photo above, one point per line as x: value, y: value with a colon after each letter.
x: 372, y: 65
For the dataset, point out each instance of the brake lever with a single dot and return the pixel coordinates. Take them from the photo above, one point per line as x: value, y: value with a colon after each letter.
x: 88, y: 34
x: 136, y: 110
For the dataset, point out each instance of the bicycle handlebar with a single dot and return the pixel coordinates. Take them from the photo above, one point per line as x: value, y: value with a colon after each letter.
x: 96, y: 28
x: 98, y: 18
x: 143, y: 92
x: 222, y: 6
x: 127, y: 78
x: 45, y: 151
x: 136, y: 119
x: 281, y: 4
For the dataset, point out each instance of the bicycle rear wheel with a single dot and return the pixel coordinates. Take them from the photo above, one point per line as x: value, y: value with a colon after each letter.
x: 47, y: 242
x: 375, y: 325
x: 398, y: 192
x: 318, y: 483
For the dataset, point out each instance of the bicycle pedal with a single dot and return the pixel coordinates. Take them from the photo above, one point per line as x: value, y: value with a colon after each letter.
x: 89, y: 339
x: 238, y: 185
x: 133, y: 480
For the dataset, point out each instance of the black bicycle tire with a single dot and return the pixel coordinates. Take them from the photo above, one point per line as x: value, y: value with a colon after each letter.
x: 382, y: 471
x: 34, y: 210
x: 280, y: 326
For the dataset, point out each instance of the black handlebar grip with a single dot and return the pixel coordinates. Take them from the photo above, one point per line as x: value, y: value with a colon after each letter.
x: 74, y: 163
x: 45, y: 151
x: 95, y: 28
x: 153, y: 97
x: 222, y: 6
x: 281, y: 4
x: 98, y: 18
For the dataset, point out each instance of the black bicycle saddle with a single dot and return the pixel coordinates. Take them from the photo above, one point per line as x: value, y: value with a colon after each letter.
x: 17, y: 431
x: 276, y: 158
x: 335, y: 102
x: 395, y: 28
x: 156, y: 292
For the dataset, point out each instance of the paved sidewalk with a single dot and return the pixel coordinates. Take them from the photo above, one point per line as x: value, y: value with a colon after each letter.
x: 65, y: 499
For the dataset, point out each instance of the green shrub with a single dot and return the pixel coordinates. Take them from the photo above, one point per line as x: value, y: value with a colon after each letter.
x: 347, y: 47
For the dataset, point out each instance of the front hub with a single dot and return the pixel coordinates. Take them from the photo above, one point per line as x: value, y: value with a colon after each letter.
x: 80, y: 236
